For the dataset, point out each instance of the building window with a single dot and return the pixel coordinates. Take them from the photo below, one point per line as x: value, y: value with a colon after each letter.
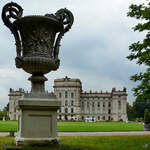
x: 59, y: 117
x: 103, y: 117
x: 82, y: 117
x: 82, y: 104
x: 119, y: 103
x: 72, y: 117
x: 59, y: 110
x: 72, y: 103
x: 109, y: 104
x: 66, y: 103
x: 66, y: 94
x: 72, y: 95
x: 109, y: 111
x: 59, y: 94
x: 72, y: 110
x: 98, y: 118
x: 103, y: 104
x: 66, y: 110
x: 119, y: 116
x: 88, y: 105
x: 93, y: 104
x: 98, y: 104
x: 66, y: 117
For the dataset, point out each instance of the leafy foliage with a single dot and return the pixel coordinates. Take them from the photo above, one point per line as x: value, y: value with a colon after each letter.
x: 3, y: 114
x: 131, y: 112
x: 146, y: 116
x: 140, y: 51
x: 140, y: 105
x: 6, y: 108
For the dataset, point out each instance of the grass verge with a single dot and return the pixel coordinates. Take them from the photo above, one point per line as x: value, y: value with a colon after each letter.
x: 87, y: 143
x: 6, y: 126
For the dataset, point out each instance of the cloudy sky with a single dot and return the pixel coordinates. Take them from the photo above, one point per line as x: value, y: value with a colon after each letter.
x: 94, y: 50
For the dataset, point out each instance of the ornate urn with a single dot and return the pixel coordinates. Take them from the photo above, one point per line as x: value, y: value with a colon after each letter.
x: 37, y: 41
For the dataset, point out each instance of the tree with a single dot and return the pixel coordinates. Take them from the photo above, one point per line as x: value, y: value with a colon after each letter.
x: 140, y: 105
x: 140, y: 51
x: 3, y: 114
x: 131, y: 112
x: 6, y: 108
x: 146, y: 116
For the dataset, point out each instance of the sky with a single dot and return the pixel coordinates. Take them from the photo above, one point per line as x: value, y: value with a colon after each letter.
x: 94, y: 50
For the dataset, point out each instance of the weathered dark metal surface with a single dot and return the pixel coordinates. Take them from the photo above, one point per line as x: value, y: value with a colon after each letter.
x: 37, y: 40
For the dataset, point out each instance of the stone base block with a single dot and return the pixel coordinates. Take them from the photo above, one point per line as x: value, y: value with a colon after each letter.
x: 37, y: 121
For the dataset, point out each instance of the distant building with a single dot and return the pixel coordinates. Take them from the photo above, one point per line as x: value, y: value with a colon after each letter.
x: 13, y: 97
x: 78, y: 105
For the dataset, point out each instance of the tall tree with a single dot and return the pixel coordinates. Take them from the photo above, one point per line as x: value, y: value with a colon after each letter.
x: 140, y: 50
x: 6, y: 108
x: 131, y: 112
x: 140, y: 105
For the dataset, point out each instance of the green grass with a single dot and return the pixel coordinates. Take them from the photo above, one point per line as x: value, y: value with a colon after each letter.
x: 98, y: 127
x: 88, y: 143
x: 6, y: 126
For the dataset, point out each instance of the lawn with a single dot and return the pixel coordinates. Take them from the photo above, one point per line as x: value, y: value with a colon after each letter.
x: 6, y: 126
x: 98, y: 127
x: 87, y: 143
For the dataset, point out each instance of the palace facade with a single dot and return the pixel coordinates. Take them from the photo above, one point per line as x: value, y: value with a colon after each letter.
x: 79, y: 105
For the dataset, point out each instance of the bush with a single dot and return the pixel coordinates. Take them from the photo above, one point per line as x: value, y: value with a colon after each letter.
x: 139, y: 119
x: 146, y: 116
x: 121, y: 120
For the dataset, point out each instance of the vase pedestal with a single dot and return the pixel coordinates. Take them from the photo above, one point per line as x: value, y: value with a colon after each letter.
x: 37, y: 121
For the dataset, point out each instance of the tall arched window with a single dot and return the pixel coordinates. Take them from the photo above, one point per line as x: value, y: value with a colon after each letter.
x: 103, y: 104
x: 66, y: 110
x: 66, y: 94
x: 72, y: 95
x: 88, y: 105
x: 66, y: 103
x: 72, y: 103
x: 93, y: 104
x: 72, y: 110
x: 59, y: 94
x: 82, y: 104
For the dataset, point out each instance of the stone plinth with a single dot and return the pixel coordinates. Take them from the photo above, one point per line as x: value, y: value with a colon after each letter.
x: 37, y: 121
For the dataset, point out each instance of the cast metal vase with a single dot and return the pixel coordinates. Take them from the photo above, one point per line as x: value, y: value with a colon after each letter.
x: 37, y: 41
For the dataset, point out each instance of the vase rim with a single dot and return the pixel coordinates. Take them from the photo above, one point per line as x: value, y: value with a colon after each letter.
x: 30, y: 18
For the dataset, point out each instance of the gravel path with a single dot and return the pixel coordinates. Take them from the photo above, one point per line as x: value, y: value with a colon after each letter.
x: 94, y: 133
x: 102, y: 133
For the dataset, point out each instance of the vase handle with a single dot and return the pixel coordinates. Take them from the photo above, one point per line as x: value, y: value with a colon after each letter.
x: 64, y: 16
x: 13, y: 11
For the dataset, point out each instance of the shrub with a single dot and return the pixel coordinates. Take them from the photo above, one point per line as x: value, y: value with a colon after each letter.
x: 137, y: 119
x: 141, y: 119
x: 121, y: 120
x: 146, y: 116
